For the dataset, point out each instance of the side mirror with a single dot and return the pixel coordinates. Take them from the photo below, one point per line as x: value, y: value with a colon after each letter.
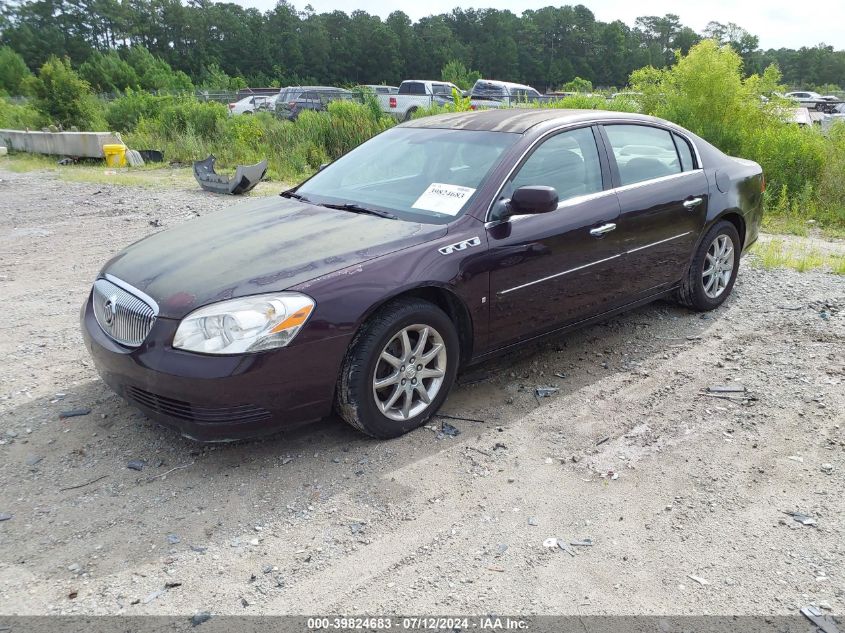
x: 533, y: 199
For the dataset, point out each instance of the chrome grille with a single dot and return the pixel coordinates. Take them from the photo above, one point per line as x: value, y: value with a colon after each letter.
x: 122, y: 315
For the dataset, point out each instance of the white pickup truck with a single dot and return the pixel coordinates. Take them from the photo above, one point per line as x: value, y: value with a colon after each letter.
x: 414, y: 94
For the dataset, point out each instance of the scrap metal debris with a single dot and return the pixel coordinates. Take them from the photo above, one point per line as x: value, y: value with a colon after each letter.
x: 803, y: 519
x: 823, y: 622
x: 562, y: 544
x: 556, y: 542
x: 726, y: 389
x: 73, y: 413
x: 457, y: 417
x: 545, y: 392
x: 136, y: 464
x: 87, y: 483
x: 698, y: 579
x: 245, y: 178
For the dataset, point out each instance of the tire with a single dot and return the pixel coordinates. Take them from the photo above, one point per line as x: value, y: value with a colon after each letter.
x: 410, y: 114
x: 368, y: 408
x: 701, y: 292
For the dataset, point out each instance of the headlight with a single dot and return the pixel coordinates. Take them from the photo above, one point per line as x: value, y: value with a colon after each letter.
x: 250, y: 324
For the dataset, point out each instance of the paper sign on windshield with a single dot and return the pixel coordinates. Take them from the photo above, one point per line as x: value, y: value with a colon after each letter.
x: 442, y: 198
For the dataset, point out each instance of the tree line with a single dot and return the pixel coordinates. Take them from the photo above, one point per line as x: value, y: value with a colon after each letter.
x: 167, y: 44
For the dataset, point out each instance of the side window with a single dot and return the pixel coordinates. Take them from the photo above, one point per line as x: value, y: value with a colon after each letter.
x: 684, y: 151
x: 642, y: 152
x: 569, y: 162
x: 416, y: 88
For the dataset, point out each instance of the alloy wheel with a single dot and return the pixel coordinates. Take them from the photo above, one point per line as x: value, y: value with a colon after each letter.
x: 718, y: 266
x: 409, y: 372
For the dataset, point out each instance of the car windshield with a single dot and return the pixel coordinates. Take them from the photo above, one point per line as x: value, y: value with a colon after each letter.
x: 418, y: 174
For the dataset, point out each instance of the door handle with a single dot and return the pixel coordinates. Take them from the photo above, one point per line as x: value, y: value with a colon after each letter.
x: 692, y: 203
x: 601, y: 230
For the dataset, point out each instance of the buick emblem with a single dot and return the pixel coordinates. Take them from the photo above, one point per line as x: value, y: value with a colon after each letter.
x: 110, y: 309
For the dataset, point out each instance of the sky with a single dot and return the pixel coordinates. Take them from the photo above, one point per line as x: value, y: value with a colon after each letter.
x: 778, y: 23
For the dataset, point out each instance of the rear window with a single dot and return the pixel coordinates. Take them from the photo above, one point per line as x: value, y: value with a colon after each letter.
x: 488, y: 90
x: 412, y: 88
x: 642, y: 152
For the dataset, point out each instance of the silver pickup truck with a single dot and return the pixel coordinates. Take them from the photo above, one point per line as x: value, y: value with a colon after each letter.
x: 415, y: 94
x: 489, y: 93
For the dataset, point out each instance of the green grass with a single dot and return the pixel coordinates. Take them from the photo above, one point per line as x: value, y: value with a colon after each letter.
x: 776, y: 254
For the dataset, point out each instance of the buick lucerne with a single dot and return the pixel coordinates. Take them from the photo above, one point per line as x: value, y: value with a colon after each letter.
x: 437, y: 244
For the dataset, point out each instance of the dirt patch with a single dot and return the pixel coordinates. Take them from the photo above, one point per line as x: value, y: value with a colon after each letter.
x: 667, y: 481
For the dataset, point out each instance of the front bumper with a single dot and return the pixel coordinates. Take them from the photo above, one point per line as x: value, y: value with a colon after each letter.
x: 218, y: 398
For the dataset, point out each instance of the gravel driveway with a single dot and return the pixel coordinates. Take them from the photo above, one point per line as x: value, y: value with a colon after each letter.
x: 683, y: 493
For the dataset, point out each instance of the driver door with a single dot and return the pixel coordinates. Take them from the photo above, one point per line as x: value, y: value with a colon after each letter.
x: 552, y: 269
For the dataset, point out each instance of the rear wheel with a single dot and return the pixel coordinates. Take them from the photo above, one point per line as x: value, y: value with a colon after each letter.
x: 399, y: 369
x: 712, y: 274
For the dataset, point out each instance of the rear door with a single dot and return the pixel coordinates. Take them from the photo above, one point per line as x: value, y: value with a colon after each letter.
x: 555, y: 268
x: 663, y: 195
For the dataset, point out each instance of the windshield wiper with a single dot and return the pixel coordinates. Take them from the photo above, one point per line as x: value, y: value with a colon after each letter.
x: 290, y: 193
x: 357, y: 208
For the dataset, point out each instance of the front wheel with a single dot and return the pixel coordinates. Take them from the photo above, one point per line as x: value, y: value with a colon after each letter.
x: 712, y: 273
x: 399, y: 369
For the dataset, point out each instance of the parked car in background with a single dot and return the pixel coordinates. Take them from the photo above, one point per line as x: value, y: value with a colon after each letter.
x: 414, y: 94
x: 379, y: 89
x: 252, y: 104
x: 439, y: 243
x: 489, y: 93
x: 804, y: 97
x: 295, y: 99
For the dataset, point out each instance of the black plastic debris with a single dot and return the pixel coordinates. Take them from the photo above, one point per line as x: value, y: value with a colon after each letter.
x: 136, y: 464
x: 5, y: 516
x: 199, y: 618
x: 448, y: 430
x: 151, y: 155
x: 245, y: 178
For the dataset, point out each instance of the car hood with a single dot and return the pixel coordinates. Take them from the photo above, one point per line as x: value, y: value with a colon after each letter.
x: 265, y: 245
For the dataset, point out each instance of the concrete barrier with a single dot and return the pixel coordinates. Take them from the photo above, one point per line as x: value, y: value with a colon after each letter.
x: 78, y: 144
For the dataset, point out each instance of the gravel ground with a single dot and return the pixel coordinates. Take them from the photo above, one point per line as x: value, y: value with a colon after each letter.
x: 683, y: 494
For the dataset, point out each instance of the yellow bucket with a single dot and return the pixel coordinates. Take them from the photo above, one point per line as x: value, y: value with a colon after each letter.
x: 115, y: 154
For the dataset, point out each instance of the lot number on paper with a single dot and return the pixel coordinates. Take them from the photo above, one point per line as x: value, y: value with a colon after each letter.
x: 442, y: 198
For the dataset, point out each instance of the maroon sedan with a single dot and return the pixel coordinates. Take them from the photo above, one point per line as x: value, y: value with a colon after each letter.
x: 439, y: 243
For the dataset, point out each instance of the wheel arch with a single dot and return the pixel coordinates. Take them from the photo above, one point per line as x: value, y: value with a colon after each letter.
x: 443, y: 298
x: 735, y: 217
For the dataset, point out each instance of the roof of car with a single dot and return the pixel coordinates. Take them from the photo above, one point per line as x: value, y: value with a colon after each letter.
x: 505, y: 84
x: 518, y: 120
x: 309, y: 88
